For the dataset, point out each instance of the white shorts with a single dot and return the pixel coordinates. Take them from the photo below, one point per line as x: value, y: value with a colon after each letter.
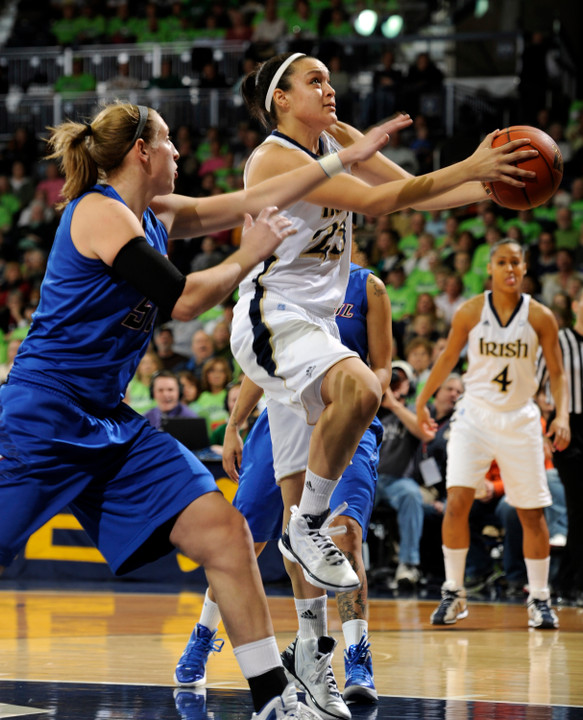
x: 287, y: 351
x: 290, y: 438
x: 480, y: 434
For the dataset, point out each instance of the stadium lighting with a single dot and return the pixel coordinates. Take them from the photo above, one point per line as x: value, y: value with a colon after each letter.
x: 392, y: 26
x: 482, y: 7
x: 366, y: 22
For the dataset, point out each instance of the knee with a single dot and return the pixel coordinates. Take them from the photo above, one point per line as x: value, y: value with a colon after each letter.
x: 225, y: 542
x: 532, y: 520
x: 371, y: 395
x: 457, y: 509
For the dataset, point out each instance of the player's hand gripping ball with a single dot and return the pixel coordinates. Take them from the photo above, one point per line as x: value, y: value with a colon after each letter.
x: 548, y: 166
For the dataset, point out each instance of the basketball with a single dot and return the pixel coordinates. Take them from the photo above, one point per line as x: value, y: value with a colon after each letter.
x: 548, y: 166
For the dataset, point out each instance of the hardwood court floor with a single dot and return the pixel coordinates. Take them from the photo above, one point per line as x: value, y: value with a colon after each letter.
x: 78, y: 654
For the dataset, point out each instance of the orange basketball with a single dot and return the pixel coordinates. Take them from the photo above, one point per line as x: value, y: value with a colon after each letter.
x: 548, y: 166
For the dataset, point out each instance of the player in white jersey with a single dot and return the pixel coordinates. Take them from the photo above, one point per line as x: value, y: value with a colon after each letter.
x: 284, y: 333
x: 497, y: 419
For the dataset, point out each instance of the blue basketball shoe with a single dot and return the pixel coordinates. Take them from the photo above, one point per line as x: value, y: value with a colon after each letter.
x: 359, y: 686
x: 191, y: 704
x: 191, y: 668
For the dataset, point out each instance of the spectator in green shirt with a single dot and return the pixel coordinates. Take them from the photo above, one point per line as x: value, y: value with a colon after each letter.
x: 566, y: 234
x: 402, y: 297
x: 211, y: 403
x: 77, y: 83
x: 408, y: 243
x: 473, y: 283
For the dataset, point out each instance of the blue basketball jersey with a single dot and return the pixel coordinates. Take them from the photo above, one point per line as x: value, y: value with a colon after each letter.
x: 91, y: 328
x: 351, y: 321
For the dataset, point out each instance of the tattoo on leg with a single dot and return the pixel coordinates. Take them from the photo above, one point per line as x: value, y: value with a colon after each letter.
x: 352, y: 605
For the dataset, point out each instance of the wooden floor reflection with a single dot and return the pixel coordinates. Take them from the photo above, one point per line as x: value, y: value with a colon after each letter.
x: 126, y: 639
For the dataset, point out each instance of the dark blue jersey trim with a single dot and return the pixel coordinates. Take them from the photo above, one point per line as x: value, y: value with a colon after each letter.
x: 261, y: 333
x: 301, y: 147
x: 514, y: 312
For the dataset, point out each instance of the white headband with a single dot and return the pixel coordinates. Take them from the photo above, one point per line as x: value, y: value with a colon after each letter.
x: 277, y: 77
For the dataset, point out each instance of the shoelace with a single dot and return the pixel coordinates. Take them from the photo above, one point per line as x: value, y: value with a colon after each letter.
x: 543, y: 607
x: 323, y: 673
x: 356, y: 659
x: 201, y: 647
x: 321, y: 536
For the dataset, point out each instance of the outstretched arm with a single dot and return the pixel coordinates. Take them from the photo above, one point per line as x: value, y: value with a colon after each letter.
x: 348, y: 192
x: 379, y: 169
x: 191, y: 217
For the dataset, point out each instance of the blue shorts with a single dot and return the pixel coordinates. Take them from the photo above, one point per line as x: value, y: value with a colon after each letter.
x: 259, y: 498
x: 122, y: 479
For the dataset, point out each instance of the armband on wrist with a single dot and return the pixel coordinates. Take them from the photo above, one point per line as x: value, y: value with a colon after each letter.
x: 331, y: 164
x: 486, y: 189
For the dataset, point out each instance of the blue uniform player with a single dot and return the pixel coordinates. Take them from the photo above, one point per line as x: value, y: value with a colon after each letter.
x: 364, y: 324
x: 66, y: 437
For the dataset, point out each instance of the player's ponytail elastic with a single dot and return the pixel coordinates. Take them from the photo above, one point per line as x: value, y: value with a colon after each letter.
x: 69, y: 144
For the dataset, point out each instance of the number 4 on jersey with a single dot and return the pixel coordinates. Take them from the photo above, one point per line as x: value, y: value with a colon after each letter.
x: 502, y: 380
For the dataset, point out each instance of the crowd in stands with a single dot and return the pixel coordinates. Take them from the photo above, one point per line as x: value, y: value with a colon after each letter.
x: 71, y: 23
x: 429, y: 262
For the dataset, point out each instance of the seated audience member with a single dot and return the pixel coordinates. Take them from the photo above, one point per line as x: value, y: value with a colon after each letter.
x: 421, y: 325
x: 167, y: 393
x: 418, y: 353
x: 385, y: 252
x: 462, y: 265
x: 422, y: 256
x: 202, y: 349
x: 52, y: 184
x: 566, y: 232
x: 77, y: 83
x: 402, y: 300
x: 410, y: 238
x: 123, y: 80
x: 481, y: 255
x: 164, y: 346
x: 529, y: 226
x: 139, y: 395
x: 451, y: 298
x: 191, y: 388
x: 445, y: 243
x: 395, y: 486
x: 210, y: 404
x: 21, y: 184
x: 543, y: 255
x: 553, y: 283
x: 221, y: 336
x: 217, y: 436
x: 209, y: 255
x: 429, y: 470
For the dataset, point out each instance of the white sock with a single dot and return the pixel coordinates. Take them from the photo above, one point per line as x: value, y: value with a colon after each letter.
x: 353, y: 631
x: 537, y: 572
x: 455, y: 566
x: 312, y: 616
x: 210, y: 615
x: 256, y: 658
x: 316, y: 494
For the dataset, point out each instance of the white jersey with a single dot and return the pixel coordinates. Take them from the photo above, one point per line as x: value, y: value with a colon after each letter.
x: 501, y: 370
x: 311, y: 267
